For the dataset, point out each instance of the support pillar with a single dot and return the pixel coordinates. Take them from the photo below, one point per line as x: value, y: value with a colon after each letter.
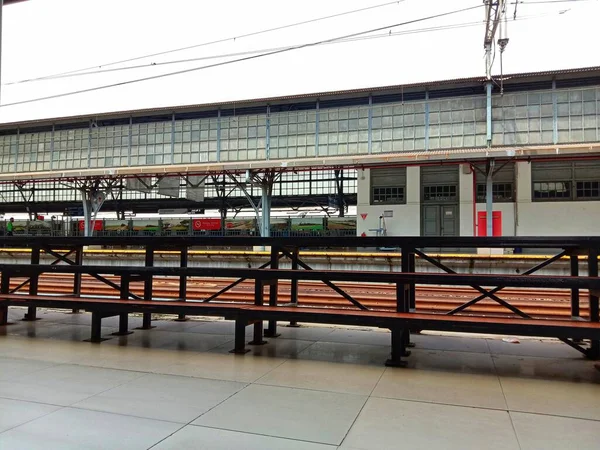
x: 489, y: 197
x: 265, y: 223
x: 31, y: 314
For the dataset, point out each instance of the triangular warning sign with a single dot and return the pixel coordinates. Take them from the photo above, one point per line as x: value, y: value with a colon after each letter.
x: 364, y: 216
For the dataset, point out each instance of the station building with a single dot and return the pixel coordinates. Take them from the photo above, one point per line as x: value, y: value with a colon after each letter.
x: 421, y: 159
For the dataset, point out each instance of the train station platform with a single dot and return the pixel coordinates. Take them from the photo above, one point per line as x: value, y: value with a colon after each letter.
x: 312, y: 388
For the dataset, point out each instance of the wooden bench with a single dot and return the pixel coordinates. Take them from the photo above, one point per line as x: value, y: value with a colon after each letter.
x: 107, y: 307
x: 401, y: 323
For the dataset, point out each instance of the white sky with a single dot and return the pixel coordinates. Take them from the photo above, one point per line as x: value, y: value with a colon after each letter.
x: 42, y: 37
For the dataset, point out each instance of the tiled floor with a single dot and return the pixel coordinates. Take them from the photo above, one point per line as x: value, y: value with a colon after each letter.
x: 177, y: 387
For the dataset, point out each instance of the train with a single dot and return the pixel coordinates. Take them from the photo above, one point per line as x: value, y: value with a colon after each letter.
x: 186, y: 226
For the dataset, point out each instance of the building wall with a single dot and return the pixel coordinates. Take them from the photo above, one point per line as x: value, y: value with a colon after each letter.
x: 522, y: 218
x: 406, y: 218
x: 570, y: 218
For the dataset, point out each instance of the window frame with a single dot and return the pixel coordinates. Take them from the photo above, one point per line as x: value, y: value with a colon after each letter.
x: 570, y: 177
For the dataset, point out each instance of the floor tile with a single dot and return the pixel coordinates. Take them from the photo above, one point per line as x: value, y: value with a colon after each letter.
x: 202, y: 438
x: 561, y: 398
x: 304, y: 332
x: 324, y: 376
x: 530, y: 347
x: 322, y: 417
x: 447, y: 361
x: 18, y: 412
x: 171, y: 340
x: 75, y: 429
x: 56, y: 351
x: 451, y: 343
x: 536, y: 431
x: 64, y: 384
x: 11, y: 368
x: 163, y: 397
x: 451, y: 388
x: 275, y: 348
x: 575, y: 369
x: 242, y: 368
x: 173, y: 325
x: 346, y: 353
x: 363, y: 337
x: 392, y: 424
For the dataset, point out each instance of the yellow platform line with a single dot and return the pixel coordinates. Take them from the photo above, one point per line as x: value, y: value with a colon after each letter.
x: 321, y: 254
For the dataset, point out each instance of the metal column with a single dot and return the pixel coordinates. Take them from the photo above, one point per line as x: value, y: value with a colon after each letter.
x: 87, y: 213
x: 265, y: 223
x: 554, y: 114
x: 488, y: 116
x: 489, y: 197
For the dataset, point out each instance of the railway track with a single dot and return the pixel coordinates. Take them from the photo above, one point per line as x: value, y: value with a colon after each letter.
x: 535, y: 302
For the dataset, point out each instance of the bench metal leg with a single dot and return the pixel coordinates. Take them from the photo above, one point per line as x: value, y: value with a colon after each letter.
x: 4, y: 314
x: 257, y: 338
x: 31, y: 314
x: 96, y: 328
x: 398, y: 349
x: 271, y: 330
x: 594, y: 350
x: 240, y: 337
x: 123, y: 325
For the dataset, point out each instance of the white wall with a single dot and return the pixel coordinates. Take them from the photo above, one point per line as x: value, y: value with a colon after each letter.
x: 552, y: 218
x: 524, y: 218
x: 406, y: 218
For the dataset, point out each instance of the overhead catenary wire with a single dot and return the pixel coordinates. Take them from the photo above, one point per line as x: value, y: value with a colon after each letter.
x: 255, y: 51
x: 247, y: 58
x: 227, y: 39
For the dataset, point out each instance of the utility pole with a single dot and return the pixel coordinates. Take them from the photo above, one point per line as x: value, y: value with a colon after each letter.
x: 495, y: 17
